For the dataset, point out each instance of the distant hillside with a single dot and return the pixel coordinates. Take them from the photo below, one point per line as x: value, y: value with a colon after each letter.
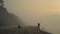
x: 7, y: 18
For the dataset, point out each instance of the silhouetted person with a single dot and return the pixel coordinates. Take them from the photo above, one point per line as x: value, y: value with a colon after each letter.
x: 38, y: 25
x: 19, y: 26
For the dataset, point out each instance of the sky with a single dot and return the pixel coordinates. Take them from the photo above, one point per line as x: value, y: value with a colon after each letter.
x: 47, y: 12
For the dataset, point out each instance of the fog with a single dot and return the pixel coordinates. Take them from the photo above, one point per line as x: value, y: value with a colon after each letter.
x: 47, y: 12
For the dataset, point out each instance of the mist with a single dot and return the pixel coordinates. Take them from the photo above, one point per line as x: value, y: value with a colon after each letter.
x: 47, y: 12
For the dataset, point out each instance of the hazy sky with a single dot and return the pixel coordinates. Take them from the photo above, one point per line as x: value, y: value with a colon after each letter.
x: 32, y: 11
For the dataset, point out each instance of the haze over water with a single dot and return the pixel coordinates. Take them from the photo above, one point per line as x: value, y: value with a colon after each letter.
x: 47, y: 12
